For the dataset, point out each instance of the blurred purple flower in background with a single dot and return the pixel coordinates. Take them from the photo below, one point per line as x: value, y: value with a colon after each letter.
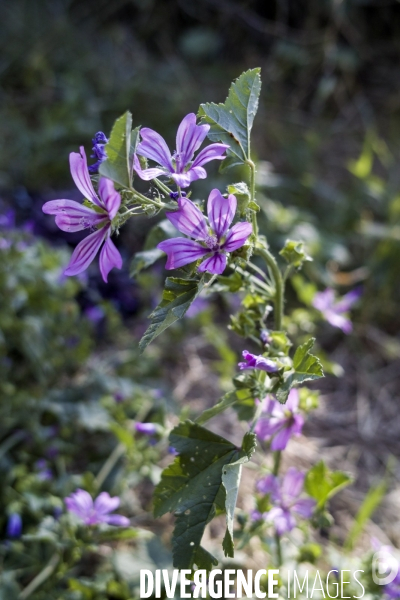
x: 147, y: 428
x: 81, y: 504
x: 215, y: 242
x: 72, y: 216
x: 178, y: 165
x: 99, y: 141
x: 14, y: 526
x: 44, y: 472
x: 254, y: 361
x: 280, y: 421
x: 285, y: 498
x: 332, y: 309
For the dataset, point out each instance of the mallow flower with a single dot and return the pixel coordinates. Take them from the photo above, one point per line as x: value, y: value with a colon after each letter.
x: 254, y: 361
x: 285, y: 496
x: 14, y: 526
x: 280, y: 421
x: 179, y: 165
x: 333, y: 310
x: 73, y: 216
x: 213, y: 240
x: 81, y: 504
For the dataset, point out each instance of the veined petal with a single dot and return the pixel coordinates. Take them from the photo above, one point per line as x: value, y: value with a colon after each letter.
x: 185, y: 179
x: 281, y: 439
x: 189, y: 220
x: 72, y: 216
x: 189, y: 137
x: 109, y: 258
x: 109, y: 196
x: 215, y: 264
x: 105, y: 504
x: 153, y: 146
x: 85, y: 252
x: 81, y: 177
x: 181, y: 251
x: 147, y: 174
x: 220, y: 212
x: 237, y: 236
x: 211, y: 152
x: 292, y: 483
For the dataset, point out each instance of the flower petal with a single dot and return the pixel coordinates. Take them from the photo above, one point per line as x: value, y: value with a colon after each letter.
x: 117, y: 520
x: 282, y: 519
x: 211, y: 152
x: 72, y: 216
x: 292, y: 483
x: 304, y: 507
x: 81, y: 177
x: 105, y: 504
x: 153, y: 146
x: 220, y: 212
x: 109, y: 258
x: 85, y: 252
x: 109, y: 196
x: 189, y: 137
x: 79, y: 502
x: 339, y: 321
x: 147, y: 174
x: 281, y: 439
x: 324, y: 300
x: 185, y: 179
x: 345, y: 303
x: 181, y: 251
x: 268, y: 485
x: 292, y: 402
x: 214, y: 264
x: 189, y: 220
x: 265, y: 428
x: 237, y: 236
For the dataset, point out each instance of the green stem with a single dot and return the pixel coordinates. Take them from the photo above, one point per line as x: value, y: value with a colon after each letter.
x: 275, y: 472
x: 109, y: 465
x: 40, y: 578
x: 277, y: 462
x: 252, y: 168
x: 162, y: 186
x: 276, y: 274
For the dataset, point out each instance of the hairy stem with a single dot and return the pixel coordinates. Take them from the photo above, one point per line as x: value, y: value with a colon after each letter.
x: 252, y: 168
x: 164, y: 188
x: 276, y: 274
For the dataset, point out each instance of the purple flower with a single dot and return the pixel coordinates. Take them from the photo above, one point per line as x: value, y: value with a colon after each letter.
x: 178, y: 166
x: 332, y: 310
x: 99, y: 141
x: 257, y: 362
x: 147, y: 428
x: 285, y: 497
x: 392, y: 589
x: 92, y: 513
x: 72, y: 216
x: 265, y: 337
x: 44, y: 473
x: 14, y: 526
x: 214, y: 241
x: 281, y: 421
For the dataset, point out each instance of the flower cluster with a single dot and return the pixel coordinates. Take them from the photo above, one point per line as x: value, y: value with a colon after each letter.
x: 279, y: 422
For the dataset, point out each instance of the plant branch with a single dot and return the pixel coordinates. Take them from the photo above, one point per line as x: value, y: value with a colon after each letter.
x: 276, y: 274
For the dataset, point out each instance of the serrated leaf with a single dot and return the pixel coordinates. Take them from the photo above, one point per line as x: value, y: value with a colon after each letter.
x: 306, y: 367
x: 231, y: 122
x: 231, y: 480
x: 294, y: 254
x: 321, y: 484
x: 178, y: 295
x: 191, y: 488
x: 117, y: 166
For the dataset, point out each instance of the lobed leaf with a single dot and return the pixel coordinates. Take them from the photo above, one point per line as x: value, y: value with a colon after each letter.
x: 231, y: 122
x: 321, y: 483
x: 306, y: 367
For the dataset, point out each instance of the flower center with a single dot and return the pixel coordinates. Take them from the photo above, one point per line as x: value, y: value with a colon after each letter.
x: 211, y: 242
x: 178, y: 161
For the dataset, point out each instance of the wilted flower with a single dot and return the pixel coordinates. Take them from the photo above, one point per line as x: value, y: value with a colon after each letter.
x: 214, y: 241
x: 92, y: 513
x: 332, y: 309
x: 72, y: 216
x: 285, y: 498
x: 178, y: 166
x: 254, y: 361
x: 14, y: 526
x: 280, y: 421
x: 99, y: 141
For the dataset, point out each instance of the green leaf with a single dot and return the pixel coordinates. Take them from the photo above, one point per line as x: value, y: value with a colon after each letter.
x: 191, y: 488
x: 231, y: 122
x: 117, y: 166
x: 371, y: 501
x: 321, y: 484
x: 293, y: 252
x: 226, y: 401
x: 150, y: 254
x: 231, y: 480
x: 306, y: 367
x: 143, y: 260
x: 178, y: 295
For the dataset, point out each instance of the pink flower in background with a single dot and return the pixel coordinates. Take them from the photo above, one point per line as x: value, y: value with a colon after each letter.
x: 333, y: 310
x: 178, y: 166
x: 285, y: 498
x: 280, y: 421
x: 73, y: 216
x: 93, y: 513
